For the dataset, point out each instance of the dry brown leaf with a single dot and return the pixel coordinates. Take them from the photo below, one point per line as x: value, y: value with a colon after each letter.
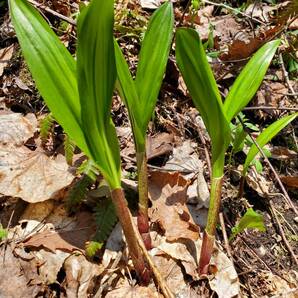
x: 31, y: 175
x: 290, y: 181
x: 16, y: 129
x: 260, y: 11
x: 282, y: 153
x: 5, y: 56
x: 14, y: 279
x: 68, y: 239
x: 151, y: 4
x: 79, y: 275
x: 179, y: 251
x: 259, y: 183
x: 171, y: 273
x: 224, y: 281
x: 167, y: 192
x: 160, y: 144
x: 49, y: 264
x: 242, y: 49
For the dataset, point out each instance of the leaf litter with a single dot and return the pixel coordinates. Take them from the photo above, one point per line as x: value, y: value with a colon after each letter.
x: 174, y: 252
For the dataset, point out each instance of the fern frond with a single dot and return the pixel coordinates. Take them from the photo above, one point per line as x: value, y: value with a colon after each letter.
x: 89, y: 168
x: 78, y: 192
x: 106, y: 218
x: 46, y: 126
x: 92, y: 247
x: 69, y: 148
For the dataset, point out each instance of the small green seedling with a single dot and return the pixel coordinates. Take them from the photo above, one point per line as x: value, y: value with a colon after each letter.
x: 140, y: 95
x: 198, y: 76
x: 250, y: 220
x: 3, y: 233
x: 265, y: 137
x: 79, y: 93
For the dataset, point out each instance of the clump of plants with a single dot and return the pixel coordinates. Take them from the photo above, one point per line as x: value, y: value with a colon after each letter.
x: 79, y: 94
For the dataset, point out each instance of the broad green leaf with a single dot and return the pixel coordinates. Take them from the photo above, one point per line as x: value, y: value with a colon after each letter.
x: 250, y: 220
x: 153, y: 60
x: 266, y: 135
x: 96, y: 79
x: 52, y: 67
x: 197, y: 74
x: 128, y: 92
x: 249, y: 80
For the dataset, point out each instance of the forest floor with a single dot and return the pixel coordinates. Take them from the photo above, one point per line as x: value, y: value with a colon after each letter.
x: 50, y: 212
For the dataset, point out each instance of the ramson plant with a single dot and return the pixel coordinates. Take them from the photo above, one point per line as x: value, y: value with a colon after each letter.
x: 79, y: 93
x: 217, y: 116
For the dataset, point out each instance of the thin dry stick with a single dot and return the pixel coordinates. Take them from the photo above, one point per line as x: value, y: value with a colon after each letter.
x: 270, y: 108
x: 224, y: 233
x: 286, y: 75
x: 53, y: 12
x: 159, y: 279
x: 235, y: 10
x: 289, y: 201
x: 282, y: 234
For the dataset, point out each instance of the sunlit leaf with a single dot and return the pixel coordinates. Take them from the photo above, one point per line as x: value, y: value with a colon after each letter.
x: 250, y: 220
x: 153, y: 59
x: 96, y: 80
x: 52, y: 67
x: 266, y: 135
x: 197, y: 74
x: 249, y: 80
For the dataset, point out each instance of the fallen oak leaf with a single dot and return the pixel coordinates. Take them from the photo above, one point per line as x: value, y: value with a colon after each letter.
x: 167, y: 192
x: 31, y: 175
x: 67, y: 240
x: 16, y: 129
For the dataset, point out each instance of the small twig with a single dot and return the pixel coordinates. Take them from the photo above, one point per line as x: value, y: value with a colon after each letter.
x: 270, y: 108
x: 184, y: 12
x: 54, y: 13
x: 289, y: 201
x: 235, y: 10
x: 282, y: 234
x: 159, y: 168
x: 286, y: 75
x: 224, y: 233
x: 158, y: 278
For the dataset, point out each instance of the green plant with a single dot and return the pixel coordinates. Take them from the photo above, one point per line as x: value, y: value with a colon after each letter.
x: 140, y: 95
x: 197, y: 74
x: 3, y: 233
x: 250, y: 220
x: 79, y: 93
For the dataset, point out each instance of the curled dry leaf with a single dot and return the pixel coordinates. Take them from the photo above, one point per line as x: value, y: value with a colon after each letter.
x: 79, y: 275
x: 259, y: 183
x: 160, y: 144
x: 72, y: 237
x: 31, y: 175
x: 167, y: 192
x: 224, y: 280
